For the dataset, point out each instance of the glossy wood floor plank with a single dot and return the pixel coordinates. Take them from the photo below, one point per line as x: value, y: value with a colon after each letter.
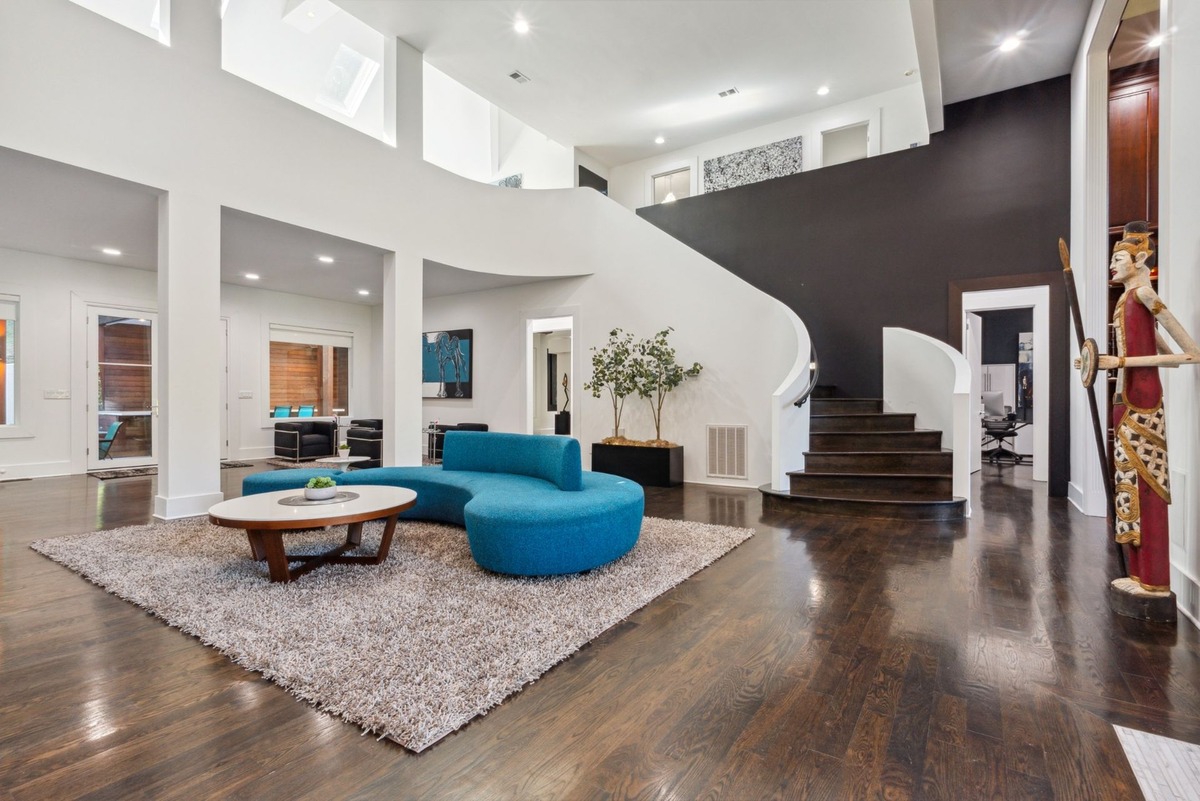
x: 826, y: 658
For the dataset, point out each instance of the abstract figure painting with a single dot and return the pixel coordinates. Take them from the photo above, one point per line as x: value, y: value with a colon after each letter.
x: 446, y: 363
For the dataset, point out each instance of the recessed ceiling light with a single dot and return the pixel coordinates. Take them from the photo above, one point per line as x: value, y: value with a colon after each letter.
x: 325, y: 259
x: 521, y: 26
x: 1156, y: 41
x: 252, y: 276
x: 1010, y: 44
x: 110, y: 251
x: 364, y: 292
x: 658, y: 140
x: 824, y: 90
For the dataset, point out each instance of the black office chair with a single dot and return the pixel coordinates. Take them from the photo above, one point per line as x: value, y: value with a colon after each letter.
x: 997, y: 431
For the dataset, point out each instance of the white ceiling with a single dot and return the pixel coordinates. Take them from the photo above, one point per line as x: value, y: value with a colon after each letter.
x: 607, y: 75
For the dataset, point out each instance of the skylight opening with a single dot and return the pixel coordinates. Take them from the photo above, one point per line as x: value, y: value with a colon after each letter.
x: 346, y: 81
x: 315, y: 54
x: 151, y: 18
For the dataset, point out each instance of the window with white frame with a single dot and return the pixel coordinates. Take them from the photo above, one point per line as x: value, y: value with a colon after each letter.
x: 8, y: 360
x: 309, y: 372
x: 672, y: 186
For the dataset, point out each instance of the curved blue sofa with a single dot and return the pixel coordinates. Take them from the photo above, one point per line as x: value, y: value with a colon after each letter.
x: 527, y: 505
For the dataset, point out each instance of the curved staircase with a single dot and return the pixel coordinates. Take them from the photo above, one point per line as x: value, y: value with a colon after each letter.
x: 865, y: 462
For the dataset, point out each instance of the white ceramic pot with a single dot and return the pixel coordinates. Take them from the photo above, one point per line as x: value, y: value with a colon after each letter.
x: 319, y: 493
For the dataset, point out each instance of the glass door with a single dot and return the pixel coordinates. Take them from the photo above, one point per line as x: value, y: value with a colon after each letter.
x: 121, y: 414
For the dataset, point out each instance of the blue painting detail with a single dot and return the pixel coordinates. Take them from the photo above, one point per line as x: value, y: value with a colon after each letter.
x: 446, y: 363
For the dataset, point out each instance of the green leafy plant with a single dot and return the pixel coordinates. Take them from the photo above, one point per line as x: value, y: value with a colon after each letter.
x: 345, y: 446
x: 612, y: 372
x: 656, y: 373
x: 320, y: 482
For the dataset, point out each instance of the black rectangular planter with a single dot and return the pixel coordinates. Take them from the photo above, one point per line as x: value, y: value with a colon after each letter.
x: 650, y: 467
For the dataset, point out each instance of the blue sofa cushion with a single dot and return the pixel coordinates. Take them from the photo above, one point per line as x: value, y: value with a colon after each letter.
x: 553, y: 459
x: 274, y: 480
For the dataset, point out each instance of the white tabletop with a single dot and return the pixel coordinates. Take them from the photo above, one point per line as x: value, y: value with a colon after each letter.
x: 347, y: 460
x: 266, y: 506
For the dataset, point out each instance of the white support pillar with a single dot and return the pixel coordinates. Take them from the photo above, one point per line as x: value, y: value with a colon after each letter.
x: 408, y: 99
x: 189, y: 355
x: 1179, y: 260
x: 401, y: 390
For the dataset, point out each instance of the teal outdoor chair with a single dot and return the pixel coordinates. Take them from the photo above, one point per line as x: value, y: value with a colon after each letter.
x: 107, y: 440
x: 282, y: 411
x: 306, y: 411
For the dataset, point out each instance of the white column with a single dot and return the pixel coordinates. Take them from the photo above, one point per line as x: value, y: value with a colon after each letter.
x: 1089, y: 240
x: 401, y: 391
x: 407, y: 97
x: 1179, y: 260
x: 189, y: 355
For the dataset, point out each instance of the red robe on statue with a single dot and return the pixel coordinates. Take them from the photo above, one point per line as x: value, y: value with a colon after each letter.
x: 1140, y: 452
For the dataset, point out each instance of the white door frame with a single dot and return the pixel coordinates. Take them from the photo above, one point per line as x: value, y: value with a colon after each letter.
x: 973, y: 350
x: 529, y: 319
x: 91, y: 381
x: 1037, y: 297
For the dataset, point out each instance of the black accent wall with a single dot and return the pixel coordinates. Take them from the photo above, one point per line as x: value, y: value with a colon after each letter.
x: 873, y: 243
x: 856, y: 247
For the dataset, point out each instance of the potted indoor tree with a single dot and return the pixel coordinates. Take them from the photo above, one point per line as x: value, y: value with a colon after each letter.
x: 612, y: 372
x: 647, y: 367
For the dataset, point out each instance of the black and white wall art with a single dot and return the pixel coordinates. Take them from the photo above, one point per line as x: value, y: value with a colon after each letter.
x: 775, y: 160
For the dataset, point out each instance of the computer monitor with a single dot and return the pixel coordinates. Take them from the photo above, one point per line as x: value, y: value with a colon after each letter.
x: 993, y: 404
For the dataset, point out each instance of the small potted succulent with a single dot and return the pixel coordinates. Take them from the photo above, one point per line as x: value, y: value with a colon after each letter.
x: 321, y: 488
x: 344, y: 449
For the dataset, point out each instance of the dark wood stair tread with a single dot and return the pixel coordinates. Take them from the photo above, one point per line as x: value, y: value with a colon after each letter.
x: 887, y: 509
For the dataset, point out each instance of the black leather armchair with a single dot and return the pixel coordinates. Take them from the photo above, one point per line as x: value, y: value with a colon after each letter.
x: 300, y: 440
x: 365, y: 438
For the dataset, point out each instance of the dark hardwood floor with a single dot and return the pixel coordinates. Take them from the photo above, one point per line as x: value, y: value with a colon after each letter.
x: 825, y: 658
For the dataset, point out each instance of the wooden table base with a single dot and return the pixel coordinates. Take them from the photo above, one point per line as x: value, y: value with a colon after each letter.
x: 268, y: 544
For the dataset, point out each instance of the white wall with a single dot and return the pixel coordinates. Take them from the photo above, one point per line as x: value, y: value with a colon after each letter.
x: 1179, y: 204
x: 471, y: 137
x: 683, y: 291
x: 201, y: 134
x: 54, y: 294
x: 458, y: 127
x: 897, y: 120
x: 251, y: 313
x: 541, y: 162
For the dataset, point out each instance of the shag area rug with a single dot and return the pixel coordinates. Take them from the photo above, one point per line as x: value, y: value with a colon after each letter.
x: 129, y: 472
x: 411, y: 649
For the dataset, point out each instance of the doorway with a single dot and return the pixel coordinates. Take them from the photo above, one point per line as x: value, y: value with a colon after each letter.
x: 122, y: 375
x: 974, y: 336
x: 550, y: 370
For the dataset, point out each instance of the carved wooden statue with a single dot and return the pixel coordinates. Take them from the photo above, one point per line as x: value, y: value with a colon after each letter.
x: 1141, y: 478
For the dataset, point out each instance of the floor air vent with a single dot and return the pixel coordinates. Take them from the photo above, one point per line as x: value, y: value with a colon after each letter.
x: 727, y: 451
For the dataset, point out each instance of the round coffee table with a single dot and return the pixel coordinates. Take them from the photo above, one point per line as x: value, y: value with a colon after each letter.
x: 266, y: 517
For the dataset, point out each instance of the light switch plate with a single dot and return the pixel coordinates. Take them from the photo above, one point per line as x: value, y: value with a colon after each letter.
x: 246, y: 394
x: 56, y: 394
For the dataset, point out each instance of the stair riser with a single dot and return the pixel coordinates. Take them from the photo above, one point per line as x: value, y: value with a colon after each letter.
x: 846, y: 405
x: 884, y: 510
x: 898, y: 463
x: 889, y: 488
x: 862, y: 422
x: 883, y: 441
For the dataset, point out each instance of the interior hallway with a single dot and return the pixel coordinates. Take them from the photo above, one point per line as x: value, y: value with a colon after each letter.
x: 824, y: 658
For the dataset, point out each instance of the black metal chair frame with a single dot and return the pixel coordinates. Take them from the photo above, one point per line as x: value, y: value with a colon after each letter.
x: 997, y: 432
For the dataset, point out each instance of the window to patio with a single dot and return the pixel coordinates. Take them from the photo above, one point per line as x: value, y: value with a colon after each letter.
x: 309, y: 372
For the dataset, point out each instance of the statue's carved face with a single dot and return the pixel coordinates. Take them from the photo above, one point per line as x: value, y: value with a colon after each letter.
x: 1123, y: 265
